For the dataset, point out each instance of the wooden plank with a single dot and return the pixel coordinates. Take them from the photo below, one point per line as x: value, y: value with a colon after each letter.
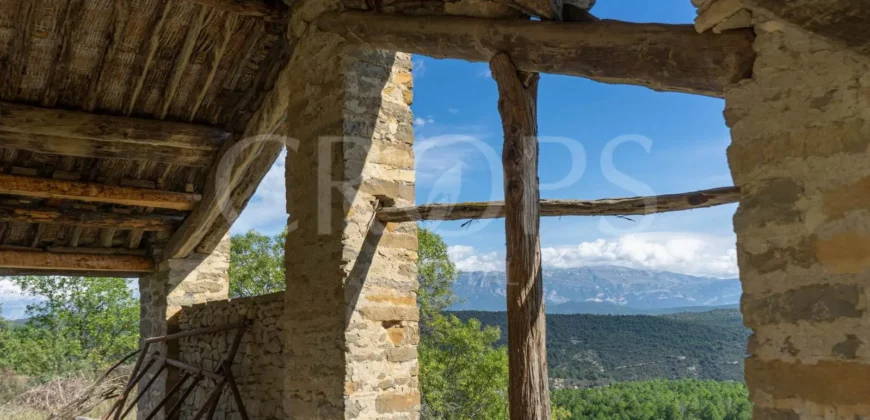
x: 44, y: 123
x: 96, y: 251
x: 30, y: 260
x: 632, y: 206
x: 528, y: 388
x: 661, y: 57
x: 98, y: 193
x: 11, y: 272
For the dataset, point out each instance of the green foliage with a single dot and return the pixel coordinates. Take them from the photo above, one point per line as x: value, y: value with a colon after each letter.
x: 597, y: 349
x: 686, y: 399
x: 462, y: 374
x: 436, y: 274
x: 83, y: 322
x: 256, y: 264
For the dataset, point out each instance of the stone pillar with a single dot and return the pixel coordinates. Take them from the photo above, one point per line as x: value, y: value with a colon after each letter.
x: 801, y: 137
x: 350, y: 311
x: 198, y: 278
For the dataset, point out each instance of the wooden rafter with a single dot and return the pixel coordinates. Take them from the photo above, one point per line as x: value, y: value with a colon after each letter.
x: 80, y: 134
x: 35, y: 260
x: 276, y: 11
x: 658, y: 56
x: 607, y: 207
x: 98, y: 193
x: 528, y: 388
x: 89, y: 219
x: 240, y: 167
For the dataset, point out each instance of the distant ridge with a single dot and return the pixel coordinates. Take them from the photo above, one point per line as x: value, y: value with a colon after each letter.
x: 604, y: 290
x: 595, y: 308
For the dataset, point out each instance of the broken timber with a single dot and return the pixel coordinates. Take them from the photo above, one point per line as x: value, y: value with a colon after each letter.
x: 528, y: 388
x: 634, y: 206
x: 658, y: 56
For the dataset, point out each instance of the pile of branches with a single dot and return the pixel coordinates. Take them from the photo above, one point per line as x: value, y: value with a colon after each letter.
x: 54, y: 396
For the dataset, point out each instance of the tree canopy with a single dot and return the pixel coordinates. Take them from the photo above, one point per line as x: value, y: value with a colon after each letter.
x: 81, y: 322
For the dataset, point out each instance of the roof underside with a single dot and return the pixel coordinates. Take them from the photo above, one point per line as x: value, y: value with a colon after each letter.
x: 165, y: 60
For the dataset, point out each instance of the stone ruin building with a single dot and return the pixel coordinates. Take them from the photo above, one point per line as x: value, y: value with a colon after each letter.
x: 132, y: 132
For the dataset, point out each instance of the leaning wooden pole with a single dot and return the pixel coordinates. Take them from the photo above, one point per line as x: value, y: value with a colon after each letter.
x: 528, y: 392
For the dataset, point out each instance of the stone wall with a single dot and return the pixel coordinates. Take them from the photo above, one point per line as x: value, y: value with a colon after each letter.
x: 196, y: 279
x: 801, y: 137
x: 258, y: 365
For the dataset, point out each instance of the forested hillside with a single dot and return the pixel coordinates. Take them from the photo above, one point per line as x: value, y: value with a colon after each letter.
x: 685, y: 399
x: 585, y: 350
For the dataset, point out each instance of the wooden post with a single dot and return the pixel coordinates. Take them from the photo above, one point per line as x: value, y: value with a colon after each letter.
x: 528, y: 390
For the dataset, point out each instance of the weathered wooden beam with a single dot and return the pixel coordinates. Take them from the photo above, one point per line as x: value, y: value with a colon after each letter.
x: 273, y: 10
x: 12, y: 272
x: 633, y: 206
x: 96, y: 251
x: 661, y: 57
x: 80, y: 134
x: 98, y: 193
x: 528, y: 387
x: 30, y: 260
x: 60, y: 216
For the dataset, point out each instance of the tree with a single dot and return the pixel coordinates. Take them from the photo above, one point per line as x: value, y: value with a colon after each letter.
x: 256, y: 264
x: 81, y: 322
x: 463, y: 375
x: 436, y: 274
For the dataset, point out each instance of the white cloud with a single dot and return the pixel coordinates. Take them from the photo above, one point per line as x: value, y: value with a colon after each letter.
x: 453, y: 111
x: 678, y: 252
x: 467, y: 259
x: 420, y: 122
x: 485, y: 73
x: 267, y: 210
x: 7, y: 288
x: 419, y: 68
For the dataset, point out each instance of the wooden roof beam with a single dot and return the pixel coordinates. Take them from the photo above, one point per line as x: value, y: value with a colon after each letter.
x: 49, y: 262
x: 271, y: 10
x: 96, y: 193
x: 89, y: 219
x: 658, y: 56
x: 634, y: 206
x: 81, y: 134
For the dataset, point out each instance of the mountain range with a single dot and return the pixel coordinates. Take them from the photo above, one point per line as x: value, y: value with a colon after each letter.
x: 609, y: 290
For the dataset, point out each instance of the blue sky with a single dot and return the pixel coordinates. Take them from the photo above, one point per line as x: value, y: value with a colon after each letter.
x: 659, y: 142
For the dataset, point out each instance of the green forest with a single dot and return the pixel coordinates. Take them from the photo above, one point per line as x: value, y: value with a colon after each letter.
x: 82, y: 325
x: 598, y: 349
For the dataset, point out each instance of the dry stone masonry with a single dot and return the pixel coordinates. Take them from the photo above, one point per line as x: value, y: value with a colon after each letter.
x: 259, y: 364
x: 800, y: 142
x: 179, y: 282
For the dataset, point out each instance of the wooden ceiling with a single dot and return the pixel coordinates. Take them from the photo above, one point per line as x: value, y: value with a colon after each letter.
x: 112, y: 113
